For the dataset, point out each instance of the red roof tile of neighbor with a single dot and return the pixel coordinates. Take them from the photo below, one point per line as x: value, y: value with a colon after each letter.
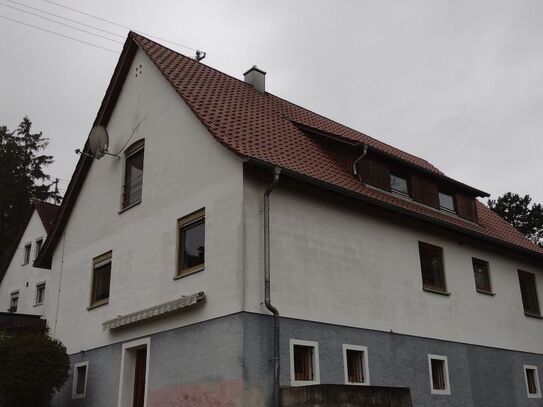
x: 263, y: 126
x: 265, y: 130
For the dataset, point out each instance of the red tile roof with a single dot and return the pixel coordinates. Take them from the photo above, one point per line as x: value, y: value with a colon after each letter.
x: 47, y: 212
x: 263, y: 127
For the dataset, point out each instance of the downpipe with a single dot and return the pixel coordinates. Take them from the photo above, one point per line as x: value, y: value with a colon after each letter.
x: 267, y: 295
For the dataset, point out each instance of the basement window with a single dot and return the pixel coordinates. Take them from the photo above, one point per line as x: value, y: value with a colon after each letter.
x: 191, y: 243
x: 101, y: 276
x: 304, y: 363
x: 431, y: 262
x: 528, y: 290
x: 439, y: 374
x: 482, y: 276
x: 355, y: 365
x: 532, y: 381
x: 26, y: 253
x: 79, y: 386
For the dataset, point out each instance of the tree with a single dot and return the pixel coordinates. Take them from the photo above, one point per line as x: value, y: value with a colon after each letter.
x: 34, y: 366
x: 22, y: 178
x: 526, y: 218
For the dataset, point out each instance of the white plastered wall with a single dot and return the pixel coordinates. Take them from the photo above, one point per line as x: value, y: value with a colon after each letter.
x: 25, y: 277
x: 347, y: 264
x: 185, y: 169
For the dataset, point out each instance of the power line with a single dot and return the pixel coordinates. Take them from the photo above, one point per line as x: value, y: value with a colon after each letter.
x: 58, y: 22
x: 60, y: 35
x: 119, y: 25
x: 68, y: 19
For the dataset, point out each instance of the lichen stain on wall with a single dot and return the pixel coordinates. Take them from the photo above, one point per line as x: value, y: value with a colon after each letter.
x: 228, y: 393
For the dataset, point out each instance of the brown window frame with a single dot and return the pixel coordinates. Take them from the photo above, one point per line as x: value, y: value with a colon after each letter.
x: 442, y: 208
x: 98, y: 263
x: 424, y: 249
x: 401, y: 175
x: 127, y: 201
x: 183, y: 224
x: 27, y: 249
x: 534, y: 299
x: 486, y: 268
x: 39, y: 245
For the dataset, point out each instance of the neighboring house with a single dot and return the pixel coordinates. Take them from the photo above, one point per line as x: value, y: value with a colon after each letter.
x: 23, y: 287
x: 385, y: 272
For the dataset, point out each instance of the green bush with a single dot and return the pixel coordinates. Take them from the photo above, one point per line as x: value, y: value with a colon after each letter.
x: 32, y: 368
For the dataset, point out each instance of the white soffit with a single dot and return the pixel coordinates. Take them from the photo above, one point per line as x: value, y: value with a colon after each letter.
x: 154, y: 311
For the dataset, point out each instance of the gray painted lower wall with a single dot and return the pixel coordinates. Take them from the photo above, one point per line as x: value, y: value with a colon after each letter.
x: 228, y: 362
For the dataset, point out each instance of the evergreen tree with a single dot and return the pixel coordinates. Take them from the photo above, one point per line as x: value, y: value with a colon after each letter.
x: 526, y: 218
x: 22, y: 178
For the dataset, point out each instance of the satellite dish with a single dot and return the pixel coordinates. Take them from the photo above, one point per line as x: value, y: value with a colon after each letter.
x: 98, y: 141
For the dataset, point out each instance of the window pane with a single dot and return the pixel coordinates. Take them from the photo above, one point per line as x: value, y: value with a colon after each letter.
x: 438, y: 374
x: 192, y: 245
x: 27, y: 254
x: 530, y: 377
x: 81, y: 374
x: 355, y: 366
x: 431, y: 259
x: 14, y: 302
x: 482, y: 277
x: 399, y: 185
x: 529, y: 292
x: 133, y: 179
x: 40, y: 294
x: 446, y: 202
x: 303, y: 362
x: 102, y: 276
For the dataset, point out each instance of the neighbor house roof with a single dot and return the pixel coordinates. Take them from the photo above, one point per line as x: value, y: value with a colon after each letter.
x: 266, y: 130
x: 46, y: 212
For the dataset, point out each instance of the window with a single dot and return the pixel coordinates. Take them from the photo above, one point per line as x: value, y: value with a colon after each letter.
x: 355, y: 364
x: 26, y: 253
x: 133, y: 174
x: 101, y: 275
x: 399, y: 185
x: 304, y: 362
x: 191, y: 243
x: 482, y: 276
x: 446, y: 202
x: 39, y: 244
x: 14, y: 301
x: 439, y: 374
x: 431, y: 262
x: 532, y: 381
x: 79, y: 385
x: 528, y: 291
x: 40, y: 293
x: 134, y: 373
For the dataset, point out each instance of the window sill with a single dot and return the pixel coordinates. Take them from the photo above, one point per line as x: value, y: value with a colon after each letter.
x: 537, y: 316
x: 189, y: 272
x: 38, y: 305
x: 436, y: 291
x: 486, y: 292
x: 98, y: 304
x: 129, y: 207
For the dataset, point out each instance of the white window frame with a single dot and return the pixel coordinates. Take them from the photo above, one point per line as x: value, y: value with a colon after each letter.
x: 126, y: 381
x: 447, y: 390
x: 74, y: 383
x: 316, y: 373
x: 537, y: 384
x: 40, y: 284
x: 365, y: 365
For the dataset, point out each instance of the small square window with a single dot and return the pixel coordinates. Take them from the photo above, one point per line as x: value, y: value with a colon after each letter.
x: 528, y: 290
x: 431, y: 261
x: 14, y: 301
x: 101, y: 276
x: 40, y: 293
x: 532, y: 381
x: 191, y: 243
x: 39, y: 244
x: 304, y: 363
x: 446, y: 202
x: 79, y: 386
x: 133, y: 174
x: 399, y: 185
x: 439, y: 374
x: 482, y: 276
x: 26, y: 253
x: 355, y: 364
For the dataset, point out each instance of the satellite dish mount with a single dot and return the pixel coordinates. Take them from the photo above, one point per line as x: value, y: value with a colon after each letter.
x: 98, y: 143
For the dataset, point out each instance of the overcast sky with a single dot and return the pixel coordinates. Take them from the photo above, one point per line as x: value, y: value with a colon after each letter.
x: 459, y: 83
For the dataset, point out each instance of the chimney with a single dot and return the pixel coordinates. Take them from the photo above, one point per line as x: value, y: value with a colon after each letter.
x: 256, y: 78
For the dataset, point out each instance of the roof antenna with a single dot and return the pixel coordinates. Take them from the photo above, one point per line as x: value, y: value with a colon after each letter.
x: 200, y: 55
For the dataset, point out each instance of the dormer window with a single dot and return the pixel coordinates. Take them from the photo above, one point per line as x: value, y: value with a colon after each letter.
x: 446, y: 202
x: 399, y: 185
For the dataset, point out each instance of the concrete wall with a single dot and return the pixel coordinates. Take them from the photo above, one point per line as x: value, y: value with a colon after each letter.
x: 185, y: 169
x: 25, y: 277
x: 338, y: 261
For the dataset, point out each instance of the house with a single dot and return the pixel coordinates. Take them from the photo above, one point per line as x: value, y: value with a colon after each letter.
x: 233, y: 246
x: 24, y: 288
